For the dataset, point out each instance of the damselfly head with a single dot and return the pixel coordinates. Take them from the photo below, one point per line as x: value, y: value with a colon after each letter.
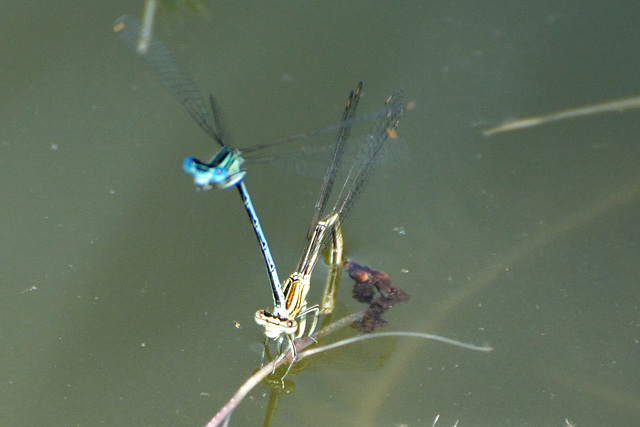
x: 206, y: 176
x: 275, y: 326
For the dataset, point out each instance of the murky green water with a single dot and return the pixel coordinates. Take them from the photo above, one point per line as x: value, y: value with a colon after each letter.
x: 122, y: 285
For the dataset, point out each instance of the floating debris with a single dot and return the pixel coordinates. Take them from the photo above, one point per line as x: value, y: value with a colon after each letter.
x: 367, y: 280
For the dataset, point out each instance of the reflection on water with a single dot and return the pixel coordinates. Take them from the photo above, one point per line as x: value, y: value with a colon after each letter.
x: 128, y: 297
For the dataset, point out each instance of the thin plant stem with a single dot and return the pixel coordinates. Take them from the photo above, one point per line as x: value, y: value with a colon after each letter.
x: 147, y: 27
x: 393, y: 334
x: 611, y: 106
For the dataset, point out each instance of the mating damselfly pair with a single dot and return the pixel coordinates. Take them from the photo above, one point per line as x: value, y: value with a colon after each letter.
x: 287, y: 320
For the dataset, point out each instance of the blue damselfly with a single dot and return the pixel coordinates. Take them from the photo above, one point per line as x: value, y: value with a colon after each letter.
x: 224, y: 169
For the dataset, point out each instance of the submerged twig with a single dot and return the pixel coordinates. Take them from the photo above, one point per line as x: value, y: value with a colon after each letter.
x: 266, y: 370
x: 611, y: 106
x: 225, y: 412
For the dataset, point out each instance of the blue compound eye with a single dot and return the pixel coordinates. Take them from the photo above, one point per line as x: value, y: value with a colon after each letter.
x: 190, y: 165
